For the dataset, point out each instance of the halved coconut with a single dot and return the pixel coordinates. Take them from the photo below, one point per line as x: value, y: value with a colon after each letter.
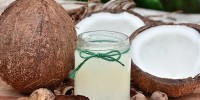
x: 121, y: 21
x: 78, y: 10
x: 166, y: 58
x: 115, y: 15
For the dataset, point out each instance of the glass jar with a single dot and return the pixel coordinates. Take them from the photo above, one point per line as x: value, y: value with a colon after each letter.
x: 102, y: 66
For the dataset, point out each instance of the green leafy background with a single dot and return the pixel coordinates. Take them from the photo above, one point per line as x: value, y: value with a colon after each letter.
x: 186, y: 6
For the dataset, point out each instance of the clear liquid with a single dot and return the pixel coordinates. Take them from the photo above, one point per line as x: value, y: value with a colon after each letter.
x: 99, y: 79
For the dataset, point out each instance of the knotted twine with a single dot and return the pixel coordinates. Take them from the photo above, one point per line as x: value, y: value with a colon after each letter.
x: 112, y: 56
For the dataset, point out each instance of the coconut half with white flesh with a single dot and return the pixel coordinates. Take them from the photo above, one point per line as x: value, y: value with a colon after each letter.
x: 78, y: 10
x: 120, y: 21
x: 166, y: 58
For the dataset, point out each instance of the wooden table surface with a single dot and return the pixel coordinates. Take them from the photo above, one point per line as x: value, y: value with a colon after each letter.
x: 8, y: 93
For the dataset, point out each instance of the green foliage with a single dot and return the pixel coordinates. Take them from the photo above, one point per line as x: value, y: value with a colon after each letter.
x: 152, y: 4
x: 187, y: 6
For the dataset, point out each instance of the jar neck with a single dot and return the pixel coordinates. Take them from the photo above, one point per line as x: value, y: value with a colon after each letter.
x: 102, y: 41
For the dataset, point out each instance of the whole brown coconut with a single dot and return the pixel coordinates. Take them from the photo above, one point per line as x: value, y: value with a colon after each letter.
x: 151, y: 83
x: 37, y: 42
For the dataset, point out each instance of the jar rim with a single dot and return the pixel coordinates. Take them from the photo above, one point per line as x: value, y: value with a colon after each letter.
x: 103, y: 39
x: 81, y: 36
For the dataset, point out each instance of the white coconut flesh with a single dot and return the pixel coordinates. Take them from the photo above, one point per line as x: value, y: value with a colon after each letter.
x: 168, y: 51
x: 121, y: 22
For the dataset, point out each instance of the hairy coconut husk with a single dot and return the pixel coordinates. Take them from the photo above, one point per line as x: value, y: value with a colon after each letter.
x: 172, y: 87
x: 37, y: 43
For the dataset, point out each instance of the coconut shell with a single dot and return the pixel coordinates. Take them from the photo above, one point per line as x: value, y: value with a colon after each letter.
x: 172, y: 87
x: 112, y: 6
x: 144, y: 19
x: 37, y: 43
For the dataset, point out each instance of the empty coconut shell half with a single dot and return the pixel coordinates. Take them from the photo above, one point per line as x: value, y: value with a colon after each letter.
x: 166, y: 57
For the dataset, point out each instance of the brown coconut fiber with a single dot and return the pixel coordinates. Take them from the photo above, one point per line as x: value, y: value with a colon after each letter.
x: 37, y: 43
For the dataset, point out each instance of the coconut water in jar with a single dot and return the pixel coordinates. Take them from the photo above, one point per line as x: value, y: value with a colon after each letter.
x: 102, y: 66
